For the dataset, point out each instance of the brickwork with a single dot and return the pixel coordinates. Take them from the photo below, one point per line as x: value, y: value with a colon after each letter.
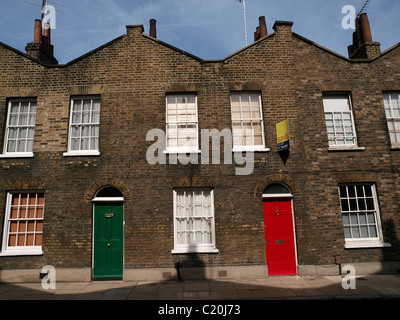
x: 132, y: 75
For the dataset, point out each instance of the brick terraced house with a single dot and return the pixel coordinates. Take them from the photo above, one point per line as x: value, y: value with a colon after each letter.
x: 107, y: 165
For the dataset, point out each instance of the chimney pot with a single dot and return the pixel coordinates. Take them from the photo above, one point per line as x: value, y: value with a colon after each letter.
x: 153, y: 28
x: 363, y: 47
x: 37, y: 36
x: 365, y: 28
x: 263, y: 27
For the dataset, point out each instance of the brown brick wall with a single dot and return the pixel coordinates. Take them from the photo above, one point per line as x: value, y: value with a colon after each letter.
x: 132, y: 76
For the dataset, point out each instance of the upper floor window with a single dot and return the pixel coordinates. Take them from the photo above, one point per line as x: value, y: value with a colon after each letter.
x: 23, y: 224
x: 391, y: 102
x: 20, y: 128
x: 182, y: 123
x: 84, y: 126
x: 339, y: 120
x: 247, y: 122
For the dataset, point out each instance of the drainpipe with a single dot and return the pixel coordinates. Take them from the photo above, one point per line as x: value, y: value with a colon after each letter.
x: 177, y: 267
x: 338, y: 261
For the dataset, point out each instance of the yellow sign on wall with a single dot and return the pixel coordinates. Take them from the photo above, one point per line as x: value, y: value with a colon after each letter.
x: 282, y: 135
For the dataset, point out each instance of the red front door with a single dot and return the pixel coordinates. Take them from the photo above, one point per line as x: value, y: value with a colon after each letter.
x: 279, y: 236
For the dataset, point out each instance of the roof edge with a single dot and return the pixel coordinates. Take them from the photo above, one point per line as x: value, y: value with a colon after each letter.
x: 173, y: 47
x: 322, y: 47
x: 247, y: 47
x: 93, y: 51
x: 23, y: 54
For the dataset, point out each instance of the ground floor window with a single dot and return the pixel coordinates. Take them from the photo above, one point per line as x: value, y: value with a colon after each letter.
x: 23, y: 227
x: 360, y: 213
x: 194, y: 227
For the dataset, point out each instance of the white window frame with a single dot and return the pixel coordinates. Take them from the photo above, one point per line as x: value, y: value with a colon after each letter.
x: 85, y: 152
x: 244, y: 146
x: 341, y: 146
x: 194, y: 248
x: 182, y: 149
x: 391, y: 119
x: 362, y: 242
x: 7, y: 250
x: 19, y: 154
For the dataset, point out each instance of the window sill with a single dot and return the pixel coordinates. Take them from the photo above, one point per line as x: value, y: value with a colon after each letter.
x: 395, y: 148
x: 195, y: 250
x: 354, y: 244
x: 21, y: 252
x: 344, y: 148
x: 253, y: 149
x: 81, y: 153
x: 18, y: 155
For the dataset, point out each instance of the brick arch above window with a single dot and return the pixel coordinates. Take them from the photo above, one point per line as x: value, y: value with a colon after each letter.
x: 85, y: 90
x: 247, y: 86
x: 21, y: 92
x: 194, y: 181
x: 390, y: 85
x: 285, y: 180
x: 25, y: 184
x: 336, y: 86
x: 109, y: 182
x: 350, y: 177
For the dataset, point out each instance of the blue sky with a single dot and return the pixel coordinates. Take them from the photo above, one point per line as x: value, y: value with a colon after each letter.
x: 209, y: 29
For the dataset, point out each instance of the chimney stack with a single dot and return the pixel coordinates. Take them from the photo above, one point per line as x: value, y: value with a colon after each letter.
x: 41, y: 48
x: 153, y: 28
x: 261, y: 30
x: 363, y: 47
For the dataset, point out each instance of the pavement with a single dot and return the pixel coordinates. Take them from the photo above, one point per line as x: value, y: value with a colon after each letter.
x: 383, y: 287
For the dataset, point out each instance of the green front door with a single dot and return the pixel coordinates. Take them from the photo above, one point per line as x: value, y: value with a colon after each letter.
x: 108, y: 241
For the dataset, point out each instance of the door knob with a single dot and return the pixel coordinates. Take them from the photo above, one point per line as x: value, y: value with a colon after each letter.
x: 108, y: 245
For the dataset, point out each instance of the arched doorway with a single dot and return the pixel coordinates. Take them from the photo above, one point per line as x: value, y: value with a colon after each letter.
x: 108, y: 234
x: 280, y: 244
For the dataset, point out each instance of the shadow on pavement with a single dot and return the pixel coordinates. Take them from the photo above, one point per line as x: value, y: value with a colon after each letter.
x: 271, y: 288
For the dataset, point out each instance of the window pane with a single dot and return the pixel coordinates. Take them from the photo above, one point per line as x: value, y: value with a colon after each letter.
x: 355, y: 232
x: 344, y: 204
x: 372, y: 232
x: 21, y: 145
x: 370, y: 204
x: 75, y: 144
x: 343, y: 191
x: 360, y: 191
x: 363, y: 218
x: 347, y: 233
x: 371, y: 218
x: 361, y: 204
x: 77, y: 105
x: 364, y: 231
x: 336, y: 103
x: 353, y: 219
x: 11, y: 146
x: 245, y: 107
x: 351, y: 191
x: 346, y: 219
x: 353, y: 204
